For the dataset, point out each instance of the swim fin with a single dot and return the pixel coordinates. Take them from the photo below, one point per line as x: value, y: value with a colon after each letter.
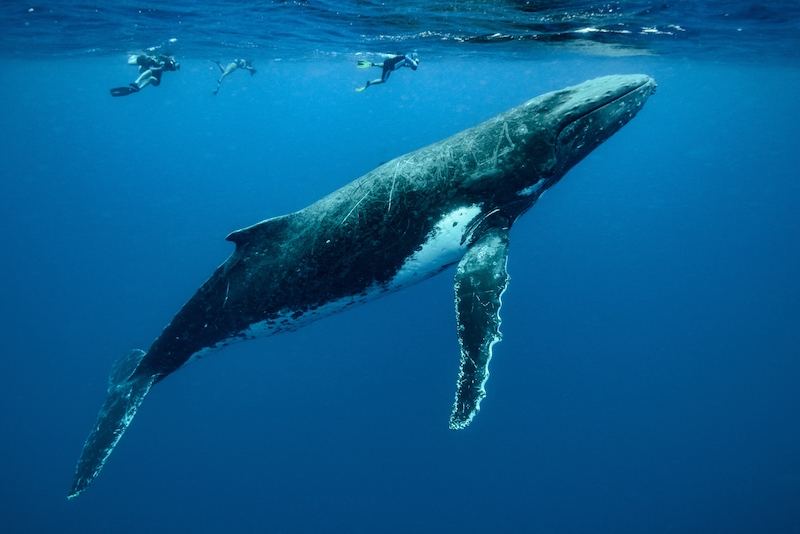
x: 363, y: 64
x: 124, y: 91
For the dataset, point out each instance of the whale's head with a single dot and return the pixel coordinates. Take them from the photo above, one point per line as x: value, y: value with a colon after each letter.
x: 593, y: 111
x: 560, y: 128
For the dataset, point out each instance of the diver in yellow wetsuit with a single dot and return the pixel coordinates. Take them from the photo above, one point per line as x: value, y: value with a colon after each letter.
x: 390, y: 65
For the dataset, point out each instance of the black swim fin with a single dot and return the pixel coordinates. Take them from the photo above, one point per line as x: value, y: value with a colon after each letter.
x: 124, y: 91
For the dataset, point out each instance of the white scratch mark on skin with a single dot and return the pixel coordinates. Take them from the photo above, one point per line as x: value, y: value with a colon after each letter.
x: 391, y: 191
x: 227, y: 292
x: 360, y: 200
x: 505, y: 134
x: 505, y: 131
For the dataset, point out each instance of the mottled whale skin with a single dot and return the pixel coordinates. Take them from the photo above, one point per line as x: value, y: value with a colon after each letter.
x: 451, y: 202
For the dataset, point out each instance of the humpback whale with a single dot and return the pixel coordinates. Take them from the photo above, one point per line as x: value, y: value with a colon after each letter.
x: 452, y: 202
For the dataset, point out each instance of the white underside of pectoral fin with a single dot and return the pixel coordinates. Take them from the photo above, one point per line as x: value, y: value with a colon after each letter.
x: 481, y: 278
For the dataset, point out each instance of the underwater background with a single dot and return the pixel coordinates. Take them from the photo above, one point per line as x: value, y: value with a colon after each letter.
x: 648, y: 376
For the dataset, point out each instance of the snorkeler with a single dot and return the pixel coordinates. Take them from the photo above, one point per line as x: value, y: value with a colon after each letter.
x: 150, y: 68
x: 391, y: 64
x: 232, y: 66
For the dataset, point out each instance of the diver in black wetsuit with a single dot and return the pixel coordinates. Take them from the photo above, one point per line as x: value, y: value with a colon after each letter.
x: 391, y: 64
x: 232, y: 66
x: 151, y: 68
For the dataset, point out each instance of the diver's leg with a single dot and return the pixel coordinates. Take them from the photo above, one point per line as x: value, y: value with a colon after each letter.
x: 144, y: 80
x: 140, y: 81
x: 228, y: 70
x: 373, y: 82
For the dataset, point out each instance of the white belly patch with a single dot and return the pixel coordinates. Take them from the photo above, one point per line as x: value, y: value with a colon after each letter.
x: 443, y: 246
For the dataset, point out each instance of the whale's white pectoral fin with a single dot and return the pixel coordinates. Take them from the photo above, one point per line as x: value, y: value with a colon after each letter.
x: 481, y: 279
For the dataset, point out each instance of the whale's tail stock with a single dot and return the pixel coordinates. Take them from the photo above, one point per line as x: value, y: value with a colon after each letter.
x: 126, y: 391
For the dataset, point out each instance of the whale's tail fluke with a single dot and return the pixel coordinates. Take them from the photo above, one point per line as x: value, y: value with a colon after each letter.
x: 126, y: 391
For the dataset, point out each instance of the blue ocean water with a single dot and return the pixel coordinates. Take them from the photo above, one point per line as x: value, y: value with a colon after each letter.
x: 647, y: 378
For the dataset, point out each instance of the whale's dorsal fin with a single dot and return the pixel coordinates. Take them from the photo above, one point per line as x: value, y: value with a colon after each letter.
x: 267, y: 230
x: 481, y: 279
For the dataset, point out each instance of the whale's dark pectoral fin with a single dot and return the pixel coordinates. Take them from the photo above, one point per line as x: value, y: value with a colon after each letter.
x: 481, y: 279
x: 125, y: 394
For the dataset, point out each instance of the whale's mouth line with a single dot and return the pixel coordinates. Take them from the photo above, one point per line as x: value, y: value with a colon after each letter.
x: 596, y: 108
